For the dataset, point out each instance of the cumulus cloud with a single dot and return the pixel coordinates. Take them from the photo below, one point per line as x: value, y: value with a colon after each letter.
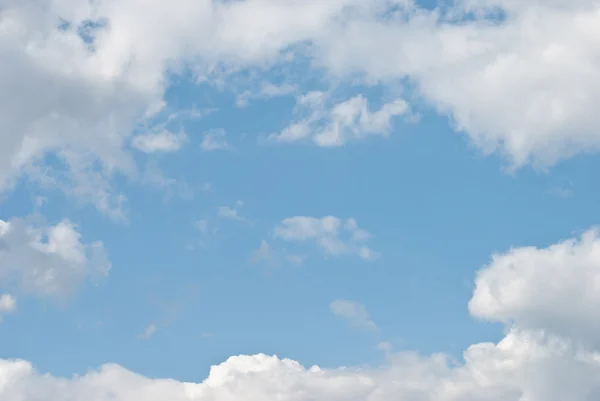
x: 518, y: 368
x: 554, y: 288
x: 332, y: 234
x: 524, y: 85
x: 334, y: 126
x: 48, y: 261
x: 354, y: 312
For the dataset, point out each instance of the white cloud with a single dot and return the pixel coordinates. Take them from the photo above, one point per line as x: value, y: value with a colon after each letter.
x: 8, y: 304
x: 231, y: 213
x: 525, y: 86
x: 271, y: 257
x: 531, y: 363
x: 554, y: 288
x: 518, y: 368
x: 149, y: 331
x: 350, y: 119
x: 332, y: 234
x: 267, y: 90
x: 228, y: 213
x: 215, y: 140
x: 48, y: 261
x: 354, y: 312
x: 162, y: 141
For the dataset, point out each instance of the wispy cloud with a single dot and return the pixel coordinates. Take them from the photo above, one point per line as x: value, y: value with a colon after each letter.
x: 8, y: 304
x: 353, y: 312
x: 149, y: 331
x: 270, y: 257
x: 333, y: 124
x: 231, y: 213
x: 215, y: 140
x: 332, y: 234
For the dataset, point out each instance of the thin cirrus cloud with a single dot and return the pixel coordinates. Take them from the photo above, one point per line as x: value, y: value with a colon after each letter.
x: 334, y: 236
x: 537, y: 360
x: 520, y: 286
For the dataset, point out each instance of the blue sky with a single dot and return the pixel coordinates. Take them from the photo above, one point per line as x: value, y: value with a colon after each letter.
x: 446, y: 162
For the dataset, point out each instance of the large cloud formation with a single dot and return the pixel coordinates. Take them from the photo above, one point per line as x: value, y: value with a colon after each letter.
x: 78, y: 76
x: 546, y: 359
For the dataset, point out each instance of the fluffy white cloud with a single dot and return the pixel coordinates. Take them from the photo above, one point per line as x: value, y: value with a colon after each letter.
x: 47, y: 261
x: 529, y: 364
x: 55, y: 98
x: 555, y: 288
x: 7, y: 303
x: 524, y: 85
x: 335, y: 125
x: 332, y: 234
x: 271, y: 257
x: 354, y: 312
x: 519, y: 368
